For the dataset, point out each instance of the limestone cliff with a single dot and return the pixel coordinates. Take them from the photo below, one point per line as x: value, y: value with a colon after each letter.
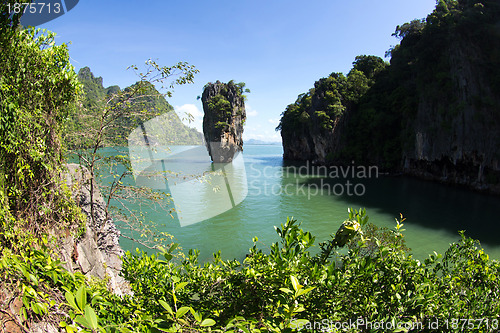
x: 224, y: 107
x: 314, y: 127
x: 461, y: 145
x: 315, y: 135
x: 167, y: 126
x: 433, y: 112
x: 97, y: 252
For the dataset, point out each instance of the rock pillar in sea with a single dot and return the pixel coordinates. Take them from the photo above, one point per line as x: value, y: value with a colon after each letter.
x: 224, y: 107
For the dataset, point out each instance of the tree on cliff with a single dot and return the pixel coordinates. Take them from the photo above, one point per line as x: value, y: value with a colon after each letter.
x: 105, y: 118
x: 38, y: 86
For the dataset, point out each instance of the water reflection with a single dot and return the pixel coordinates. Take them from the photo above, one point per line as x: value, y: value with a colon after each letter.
x: 199, y: 189
x: 424, y: 203
x: 275, y: 191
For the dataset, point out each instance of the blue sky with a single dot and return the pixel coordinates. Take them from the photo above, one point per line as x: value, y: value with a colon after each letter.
x: 279, y: 48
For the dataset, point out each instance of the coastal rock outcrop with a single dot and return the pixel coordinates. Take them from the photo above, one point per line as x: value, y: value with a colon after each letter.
x: 315, y: 133
x: 461, y: 146
x: 97, y: 252
x: 431, y: 113
x: 224, y: 107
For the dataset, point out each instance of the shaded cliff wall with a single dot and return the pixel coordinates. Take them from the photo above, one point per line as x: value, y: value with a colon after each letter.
x: 456, y: 135
x: 312, y: 136
x: 433, y: 113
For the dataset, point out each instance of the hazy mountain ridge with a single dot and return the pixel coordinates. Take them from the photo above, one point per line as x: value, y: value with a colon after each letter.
x: 168, y: 130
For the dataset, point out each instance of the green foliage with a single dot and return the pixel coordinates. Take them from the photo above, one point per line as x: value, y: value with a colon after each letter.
x: 330, y: 98
x: 126, y: 109
x: 407, y: 30
x: 38, y: 278
x: 220, y: 106
x: 37, y: 87
x: 367, y: 275
x: 240, y: 87
x: 376, y: 280
x: 381, y: 101
x: 369, y: 65
x: 9, y: 22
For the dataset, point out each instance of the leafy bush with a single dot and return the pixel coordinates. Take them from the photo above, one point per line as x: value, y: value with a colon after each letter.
x: 38, y: 85
x: 363, y: 276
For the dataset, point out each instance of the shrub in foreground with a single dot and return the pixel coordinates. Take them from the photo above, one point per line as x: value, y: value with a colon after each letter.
x: 363, y: 279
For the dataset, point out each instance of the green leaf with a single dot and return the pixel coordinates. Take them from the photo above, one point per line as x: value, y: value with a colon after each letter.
x: 180, y: 286
x: 82, y: 321
x: 304, y: 291
x: 35, y: 308
x: 91, y: 317
x: 81, y: 297
x: 173, y: 247
x: 299, y: 323
x: 197, y: 316
x: 295, y: 283
x: 207, y: 322
x: 181, y: 312
x: 286, y: 290
x: 71, y: 300
x: 166, y: 306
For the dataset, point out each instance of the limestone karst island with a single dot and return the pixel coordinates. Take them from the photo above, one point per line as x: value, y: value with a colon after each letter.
x: 356, y: 189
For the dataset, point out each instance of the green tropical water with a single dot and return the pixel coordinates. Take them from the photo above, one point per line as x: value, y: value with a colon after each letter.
x: 434, y: 212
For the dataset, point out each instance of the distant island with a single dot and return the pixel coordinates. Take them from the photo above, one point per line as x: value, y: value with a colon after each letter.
x: 261, y: 142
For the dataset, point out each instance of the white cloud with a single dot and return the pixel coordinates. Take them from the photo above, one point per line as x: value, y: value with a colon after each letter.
x: 250, y: 111
x: 186, y: 111
x: 275, y: 122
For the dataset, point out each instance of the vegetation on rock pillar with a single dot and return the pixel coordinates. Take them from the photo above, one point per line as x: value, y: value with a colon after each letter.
x: 224, y: 107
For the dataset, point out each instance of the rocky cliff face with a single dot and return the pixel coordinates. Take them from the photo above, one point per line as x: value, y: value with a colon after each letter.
x: 97, y: 252
x: 313, y: 128
x: 461, y: 145
x: 224, y: 107
x: 316, y: 145
x: 310, y: 140
x: 433, y: 113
